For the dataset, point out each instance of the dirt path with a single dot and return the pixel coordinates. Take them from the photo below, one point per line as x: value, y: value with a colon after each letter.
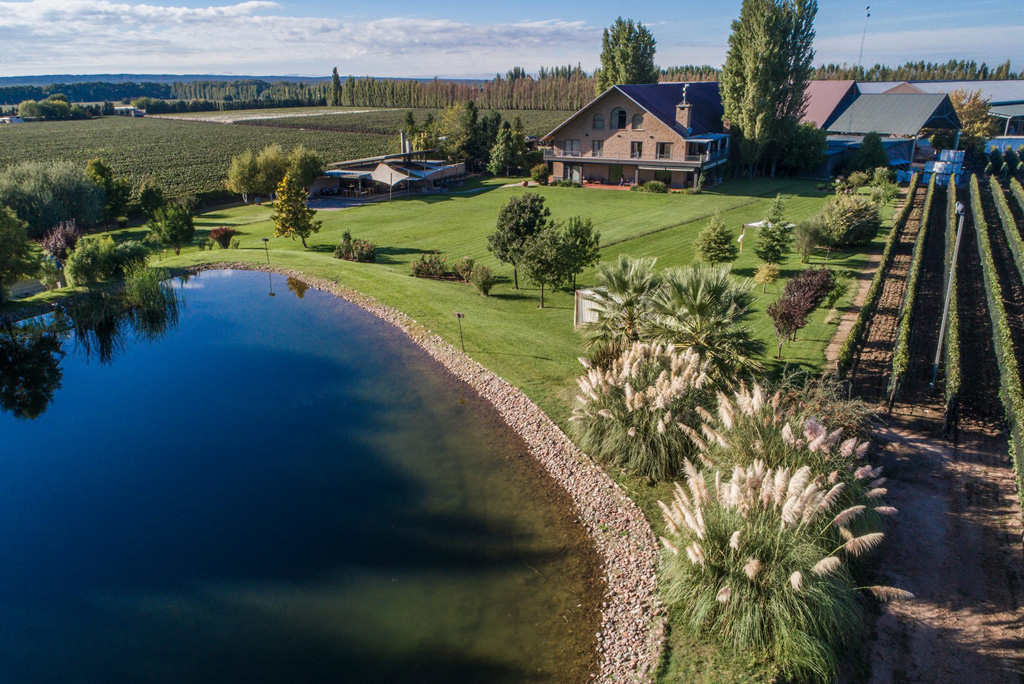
x: 956, y: 546
x: 924, y: 334
x: 248, y: 115
x: 873, y: 362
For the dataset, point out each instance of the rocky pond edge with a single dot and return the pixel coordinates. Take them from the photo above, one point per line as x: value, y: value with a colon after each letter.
x: 633, y: 623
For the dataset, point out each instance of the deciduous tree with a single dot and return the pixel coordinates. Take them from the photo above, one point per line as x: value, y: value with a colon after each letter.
x: 543, y: 261
x: 522, y: 217
x: 116, y: 191
x: 16, y: 258
x: 244, y: 175
x: 581, y: 245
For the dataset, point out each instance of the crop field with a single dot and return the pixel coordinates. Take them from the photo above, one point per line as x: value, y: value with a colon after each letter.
x: 389, y: 121
x: 185, y: 157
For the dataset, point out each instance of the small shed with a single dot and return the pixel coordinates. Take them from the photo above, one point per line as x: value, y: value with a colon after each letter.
x: 585, y: 309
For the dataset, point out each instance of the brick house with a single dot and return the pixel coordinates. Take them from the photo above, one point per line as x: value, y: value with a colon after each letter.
x: 670, y: 132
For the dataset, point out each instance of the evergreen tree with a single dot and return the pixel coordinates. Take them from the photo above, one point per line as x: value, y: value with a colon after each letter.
x: 173, y: 226
x: 870, y: 155
x: 776, y: 235
x: 627, y: 55
x: 503, y: 153
x: 716, y: 244
x: 292, y: 218
x: 522, y: 217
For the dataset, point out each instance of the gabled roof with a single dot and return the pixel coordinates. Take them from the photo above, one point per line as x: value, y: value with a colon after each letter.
x: 825, y: 101
x: 896, y: 114
x: 660, y: 100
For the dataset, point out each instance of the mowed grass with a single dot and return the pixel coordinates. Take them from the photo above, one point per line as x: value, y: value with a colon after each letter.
x: 532, y: 348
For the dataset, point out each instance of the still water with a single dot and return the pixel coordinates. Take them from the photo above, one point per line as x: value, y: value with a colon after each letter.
x: 276, y: 489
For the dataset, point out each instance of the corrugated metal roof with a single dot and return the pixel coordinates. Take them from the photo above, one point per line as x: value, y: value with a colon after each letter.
x: 1008, y: 111
x: 998, y: 92
x: 897, y: 114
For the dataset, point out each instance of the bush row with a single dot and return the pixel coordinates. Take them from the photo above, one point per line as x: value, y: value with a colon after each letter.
x: 1010, y: 390
x: 952, y: 356
x: 1009, y: 225
x: 466, y: 269
x: 1018, y: 192
x: 901, y: 353
x: 845, y: 358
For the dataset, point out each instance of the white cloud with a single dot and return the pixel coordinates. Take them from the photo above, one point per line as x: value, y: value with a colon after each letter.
x: 82, y: 36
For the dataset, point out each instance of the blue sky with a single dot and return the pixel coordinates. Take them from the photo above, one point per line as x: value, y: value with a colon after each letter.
x: 454, y: 38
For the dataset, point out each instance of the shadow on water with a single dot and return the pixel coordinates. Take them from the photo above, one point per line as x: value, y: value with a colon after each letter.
x: 243, y: 504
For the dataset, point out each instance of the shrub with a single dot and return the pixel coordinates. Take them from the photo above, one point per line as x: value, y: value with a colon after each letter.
x: 61, y: 240
x: 651, y: 186
x: 849, y: 220
x: 429, y: 266
x: 236, y: 243
x: 45, y: 193
x: 463, y: 268
x: 767, y: 274
x: 355, y: 250
x: 49, y: 273
x: 222, y: 236
x: 97, y: 260
x: 810, y: 287
x: 858, y: 179
x: 540, y: 174
x: 483, y: 279
x: 566, y: 183
x: 629, y: 415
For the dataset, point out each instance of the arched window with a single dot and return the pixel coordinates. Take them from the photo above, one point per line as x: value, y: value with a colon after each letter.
x: 638, y: 122
x: 598, y: 122
x: 618, y: 118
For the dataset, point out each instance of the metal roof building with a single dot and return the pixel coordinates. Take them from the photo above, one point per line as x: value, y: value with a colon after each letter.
x: 896, y: 114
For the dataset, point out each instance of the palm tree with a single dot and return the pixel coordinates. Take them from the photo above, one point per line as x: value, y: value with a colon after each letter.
x: 702, y: 307
x: 623, y: 301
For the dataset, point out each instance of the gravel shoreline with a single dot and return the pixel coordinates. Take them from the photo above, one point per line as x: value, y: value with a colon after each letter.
x: 632, y: 618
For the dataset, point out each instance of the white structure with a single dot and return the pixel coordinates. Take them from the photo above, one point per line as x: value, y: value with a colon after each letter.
x: 585, y: 308
x: 129, y: 110
x: 11, y: 119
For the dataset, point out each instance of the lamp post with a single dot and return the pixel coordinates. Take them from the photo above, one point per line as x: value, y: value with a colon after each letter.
x: 266, y: 248
x: 459, y: 317
x: 949, y: 290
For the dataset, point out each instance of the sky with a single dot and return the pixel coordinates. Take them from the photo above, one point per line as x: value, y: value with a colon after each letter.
x: 413, y: 38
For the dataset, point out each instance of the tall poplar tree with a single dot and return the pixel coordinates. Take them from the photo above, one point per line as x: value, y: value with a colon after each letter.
x: 627, y: 55
x: 765, y: 76
x: 334, y: 98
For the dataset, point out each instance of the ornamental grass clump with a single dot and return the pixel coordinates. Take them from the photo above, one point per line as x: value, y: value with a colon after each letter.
x: 752, y: 561
x: 630, y: 415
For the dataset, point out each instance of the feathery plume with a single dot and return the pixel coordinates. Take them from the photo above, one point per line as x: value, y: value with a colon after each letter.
x: 865, y: 542
x: 890, y: 593
x: 724, y: 594
x: 796, y: 580
x: 826, y: 566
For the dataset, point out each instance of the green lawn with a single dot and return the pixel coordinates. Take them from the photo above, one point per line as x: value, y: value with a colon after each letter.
x: 532, y: 348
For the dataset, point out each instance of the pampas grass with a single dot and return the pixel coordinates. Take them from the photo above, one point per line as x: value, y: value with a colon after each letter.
x: 630, y: 414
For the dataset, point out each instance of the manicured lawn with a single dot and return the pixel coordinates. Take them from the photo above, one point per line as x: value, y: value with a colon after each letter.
x: 536, y: 349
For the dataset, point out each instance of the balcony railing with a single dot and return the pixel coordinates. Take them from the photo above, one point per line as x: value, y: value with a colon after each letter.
x: 689, y: 160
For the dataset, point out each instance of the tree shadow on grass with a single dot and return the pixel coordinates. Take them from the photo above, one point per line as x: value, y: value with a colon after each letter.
x: 397, y: 255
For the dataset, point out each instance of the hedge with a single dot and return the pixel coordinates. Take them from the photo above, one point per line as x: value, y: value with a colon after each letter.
x: 1010, y: 391
x: 1009, y: 224
x: 952, y: 356
x: 901, y: 353
x: 1018, y: 192
x: 845, y: 358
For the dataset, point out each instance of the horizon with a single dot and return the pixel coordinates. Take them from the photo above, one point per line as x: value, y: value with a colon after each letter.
x: 308, y: 39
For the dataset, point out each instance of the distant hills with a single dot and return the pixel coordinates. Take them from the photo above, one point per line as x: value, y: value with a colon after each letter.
x: 48, y: 79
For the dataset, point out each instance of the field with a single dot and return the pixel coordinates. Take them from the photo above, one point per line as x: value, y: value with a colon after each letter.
x: 534, y: 349
x: 185, y: 157
x: 192, y: 156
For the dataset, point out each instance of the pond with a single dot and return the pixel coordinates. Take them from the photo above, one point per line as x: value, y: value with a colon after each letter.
x: 274, y: 489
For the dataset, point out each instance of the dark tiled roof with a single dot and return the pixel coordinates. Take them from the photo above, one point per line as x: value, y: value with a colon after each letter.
x: 660, y: 99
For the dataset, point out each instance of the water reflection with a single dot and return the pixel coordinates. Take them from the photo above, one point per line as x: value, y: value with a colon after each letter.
x: 99, y: 325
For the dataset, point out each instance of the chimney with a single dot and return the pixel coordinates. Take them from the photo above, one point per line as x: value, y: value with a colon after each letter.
x: 684, y: 111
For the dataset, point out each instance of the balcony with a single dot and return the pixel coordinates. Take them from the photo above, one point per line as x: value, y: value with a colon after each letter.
x: 689, y: 161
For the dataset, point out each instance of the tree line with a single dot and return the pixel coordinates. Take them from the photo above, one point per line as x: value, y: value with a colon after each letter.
x: 958, y: 70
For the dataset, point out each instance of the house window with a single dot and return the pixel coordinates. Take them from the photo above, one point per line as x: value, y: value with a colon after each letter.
x: 618, y: 118
x: 598, y: 148
x: 636, y: 149
x: 599, y: 122
x: 664, y: 150
x: 572, y: 148
x: 638, y: 122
